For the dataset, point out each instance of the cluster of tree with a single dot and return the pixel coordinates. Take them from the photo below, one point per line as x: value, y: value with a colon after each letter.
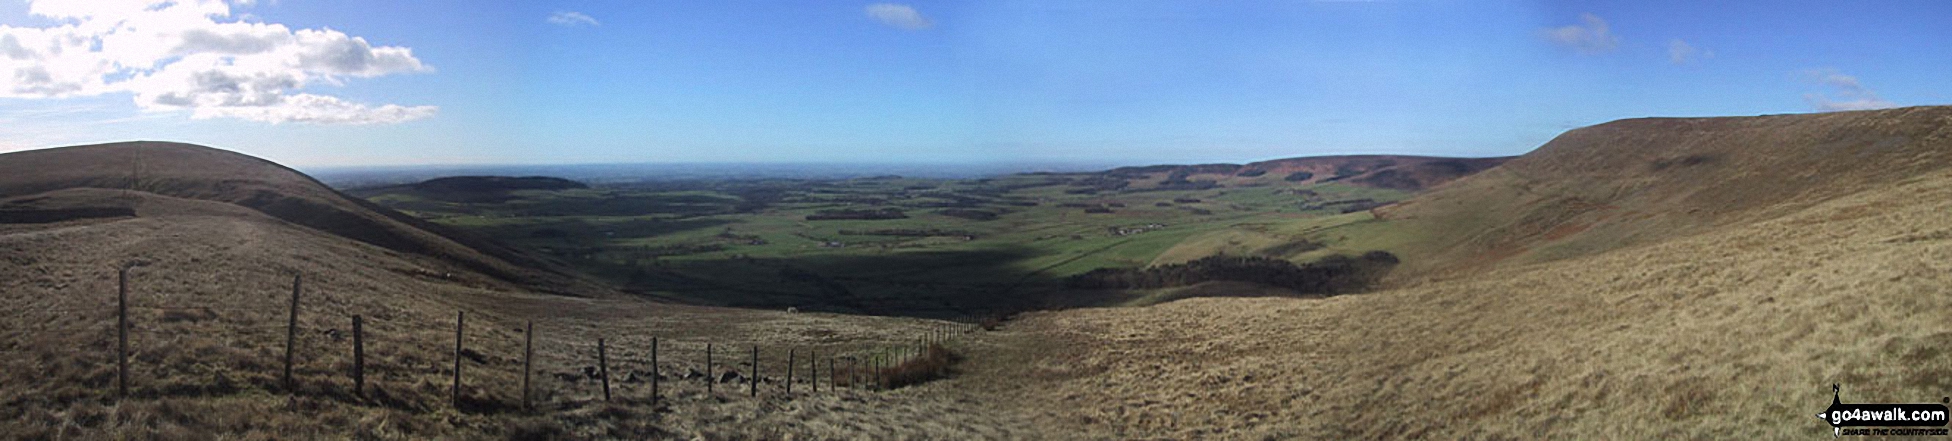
x: 756, y: 198
x: 1391, y: 179
x: 488, y: 189
x: 730, y: 235
x: 1250, y: 173
x: 852, y: 214
x: 1346, y: 206
x: 906, y: 232
x: 954, y: 201
x: 468, y: 184
x: 1298, y: 176
x: 1181, y: 170
x: 975, y: 215
x: 1331, y: 275
x: 1176, y: 180
x: 1184, y: 185
x: 669, y: 250
x: 851, y: 199
x: 1350, y: 170
x: 1096, y: 184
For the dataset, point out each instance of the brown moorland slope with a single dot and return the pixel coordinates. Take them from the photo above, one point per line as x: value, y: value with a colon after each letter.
x: 208, y: 292
x: 1733, y: 326
x: 202, y: 173
x: 1644, y: 180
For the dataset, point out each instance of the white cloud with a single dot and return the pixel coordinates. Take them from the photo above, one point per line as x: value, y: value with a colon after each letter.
x: 1846, y: 93
x: 1593, y: 37
x: 187, y: 55
x: 900, y: 16
x: 1680, y: 52
x: 572, y: 19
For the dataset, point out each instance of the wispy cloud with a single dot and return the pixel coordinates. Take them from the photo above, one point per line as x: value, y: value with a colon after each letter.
x: 1680, y: 52
x: 1846, y: 92
x: 189, y: 55
x: 1592, y: 36
x: 899, y: 16
x: 572, y: 19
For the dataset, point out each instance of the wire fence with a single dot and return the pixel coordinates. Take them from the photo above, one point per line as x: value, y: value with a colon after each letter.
x: 385, y: 362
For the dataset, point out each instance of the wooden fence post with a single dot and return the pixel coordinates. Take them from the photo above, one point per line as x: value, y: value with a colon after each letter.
x: 603, y: 368
x: 291, y: 330
x: 122, y: 333
x: 813, y: 369
x: 528, y: 360
x: 789, y: 372
x: 653, y: 370
x: 711, y: 378
x: 755, y: 371
x: 460, y: 321
x: 833, y: 378
x: 358, y: 356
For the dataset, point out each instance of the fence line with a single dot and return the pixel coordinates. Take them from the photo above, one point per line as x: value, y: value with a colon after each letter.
x: 869, y: 368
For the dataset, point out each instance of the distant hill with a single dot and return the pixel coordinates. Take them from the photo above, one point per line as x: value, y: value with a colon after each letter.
x: 471, y: 189
x: 1396, y: 172
x: 1644, y: 180
x: 496, y: 183
x: 126, y: 179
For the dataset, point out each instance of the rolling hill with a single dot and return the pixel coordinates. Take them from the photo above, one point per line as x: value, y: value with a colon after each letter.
x: 1640, y: 181
x: 212, y: 242
x: 1691, y: 278
x: 104, y: 179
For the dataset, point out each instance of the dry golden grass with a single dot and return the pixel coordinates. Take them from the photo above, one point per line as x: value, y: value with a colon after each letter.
x: 209, y: 302
x: 1735, y: 333
x: 1639, y: 181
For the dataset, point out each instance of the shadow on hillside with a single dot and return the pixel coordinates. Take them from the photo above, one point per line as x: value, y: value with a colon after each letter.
x: 931, y: 284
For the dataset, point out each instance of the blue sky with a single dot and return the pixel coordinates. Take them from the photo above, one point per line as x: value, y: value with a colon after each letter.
x: 316, y: 83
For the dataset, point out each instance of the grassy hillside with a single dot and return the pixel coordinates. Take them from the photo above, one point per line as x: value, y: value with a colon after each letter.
x: 1718, y: 300
x: 1641, y: 181
x: 205, y: 174
x: 209, y: 280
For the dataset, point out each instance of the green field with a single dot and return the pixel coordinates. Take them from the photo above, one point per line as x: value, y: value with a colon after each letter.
x: 957, y: 247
